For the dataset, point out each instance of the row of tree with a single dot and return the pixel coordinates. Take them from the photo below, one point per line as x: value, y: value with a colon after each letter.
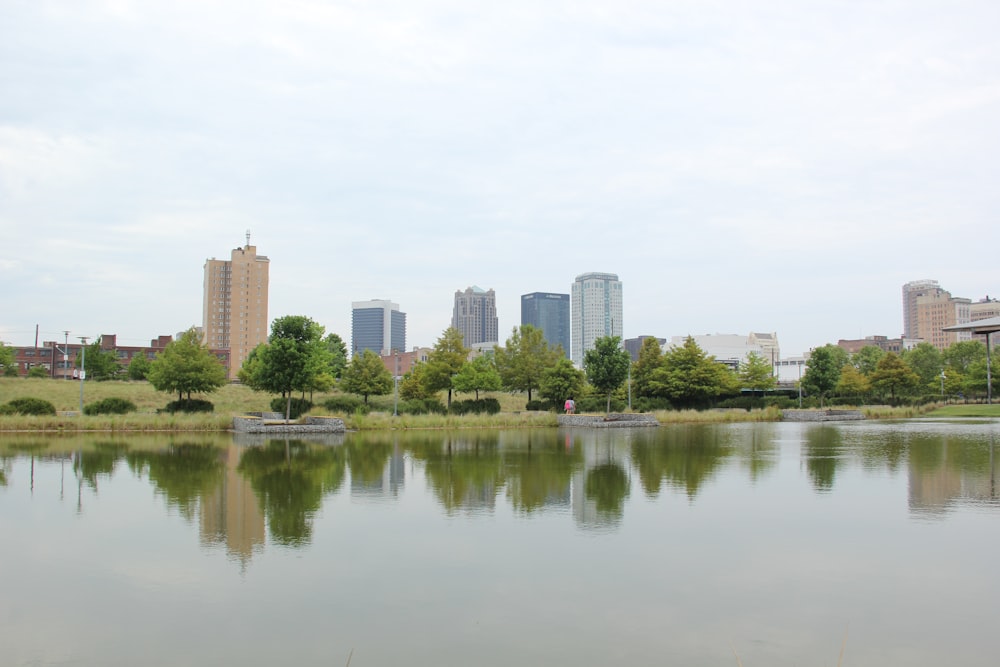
x: 959, y: 370
x: 299, y: 358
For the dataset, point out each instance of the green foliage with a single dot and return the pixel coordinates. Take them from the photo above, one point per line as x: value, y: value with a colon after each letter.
x: 961, y: 356
x: 543, y: 406
x: 650, y: 358
x: 31, y: 406
x: 894, y: 375
x: 292, y: 359
x: 343, y: 404
x: 488, y: 406
x: 7, y: 410
x: 444, y: 362
x: 38, y: 372
x: 189, y: 405
x: 110, y: 406
x: 524, y: 359
x: 690, y: 378
x: 8, y: 359
x: 10, y: 371
x: 185, y: 366
x: 100, y: 364
x: 606, y: 366
x: 823, y: 370
x: 651, y: 404
x: 415, y: 386
x: 338, y: 355
x: 139, y: 367
x: 477, y: 375
x: 299, y: 406
x: 852, y: 382
x: 367, y: 375
x: 600, y: 404
x: 426, y: 406
x: 866, y: 359
x: 561, y: 381
x: 927, y: 362
x: 756, y: 373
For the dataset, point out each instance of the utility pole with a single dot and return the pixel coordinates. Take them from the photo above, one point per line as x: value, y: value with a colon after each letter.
x: 83, y: 368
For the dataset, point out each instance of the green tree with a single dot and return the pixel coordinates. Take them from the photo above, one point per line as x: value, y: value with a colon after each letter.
x: 866, y: 359
x: 292, y: 359
x: 650, y: 358
x: 606, y: 366
x: 852, y: 382
x: 688, y: 376
x: 524, y: 358
x: 756, y: 373
x: 562, y: 381
x: 138, y: 368
x: 960, y: 356
x: 101, y: 364
x: 414, y: 385
x: 926, y: 361
x: 823, y: 370
x: 367, y: 375
x: 8, y: 359
x: 478, y: 375
x: 894, y: 375
x: 445, y: 361
x: 186, y: 366
x: 338, y: 354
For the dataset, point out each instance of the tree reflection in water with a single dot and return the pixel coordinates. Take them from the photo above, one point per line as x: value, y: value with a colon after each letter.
x: 290, y: 479
x: 684, y: 457
x: 185, y: 473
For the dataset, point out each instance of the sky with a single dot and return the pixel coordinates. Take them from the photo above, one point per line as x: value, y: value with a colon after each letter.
x: 770, y: 166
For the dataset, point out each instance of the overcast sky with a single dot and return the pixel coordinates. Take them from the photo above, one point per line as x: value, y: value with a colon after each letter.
x: 742, y: 166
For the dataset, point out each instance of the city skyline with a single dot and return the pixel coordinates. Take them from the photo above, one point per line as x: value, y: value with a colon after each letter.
x: 741, y: 167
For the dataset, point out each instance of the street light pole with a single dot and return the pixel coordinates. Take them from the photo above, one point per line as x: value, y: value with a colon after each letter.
x: 395, y: 384
x: 83, y: 368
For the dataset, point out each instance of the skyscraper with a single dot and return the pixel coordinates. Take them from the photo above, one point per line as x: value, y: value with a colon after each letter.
x: 475, y: 315
x: 234, y: 308
x: 597, y: 311
x: 550, y: 313
x: 911, y: 291
x: 377, y: 325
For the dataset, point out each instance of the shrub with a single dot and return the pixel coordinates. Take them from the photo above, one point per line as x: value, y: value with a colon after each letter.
x: 422, y: 406
x: 489, y: 406
x: 110, y: 406
x: 542, y: 406
x: 651, y: 404
x: 190, y: 405
x: 38, y: 372
x: 299, y: 406
x: 599, y: 404
x: 344, y: 404
x: 32, y: 406
x: 6, y: 410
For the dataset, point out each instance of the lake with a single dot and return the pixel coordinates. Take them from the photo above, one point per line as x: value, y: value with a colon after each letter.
x: 752, y: 544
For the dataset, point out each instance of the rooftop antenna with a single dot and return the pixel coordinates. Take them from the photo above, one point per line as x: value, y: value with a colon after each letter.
x: 248, y: 238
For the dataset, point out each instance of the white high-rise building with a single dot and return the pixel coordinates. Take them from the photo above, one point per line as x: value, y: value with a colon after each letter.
x: 596, y: 311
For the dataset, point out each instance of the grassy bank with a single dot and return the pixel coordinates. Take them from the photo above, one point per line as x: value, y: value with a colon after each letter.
x: 962, y: 410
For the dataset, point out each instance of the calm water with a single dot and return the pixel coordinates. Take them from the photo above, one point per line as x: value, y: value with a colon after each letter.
x: 676, y: 546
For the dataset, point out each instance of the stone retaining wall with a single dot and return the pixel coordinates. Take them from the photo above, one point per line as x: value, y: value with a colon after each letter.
x: 614, y: 420
x: 821, y: 415
x: 255, y: 424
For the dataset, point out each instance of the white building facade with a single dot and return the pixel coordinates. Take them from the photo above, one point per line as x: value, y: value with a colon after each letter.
x: 596, y: 311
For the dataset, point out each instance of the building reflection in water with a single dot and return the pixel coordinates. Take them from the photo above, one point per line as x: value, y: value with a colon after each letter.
x: 231, y: 514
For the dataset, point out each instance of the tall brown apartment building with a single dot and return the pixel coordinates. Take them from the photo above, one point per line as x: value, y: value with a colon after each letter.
x: 235, y: 304
x: 937, y: 309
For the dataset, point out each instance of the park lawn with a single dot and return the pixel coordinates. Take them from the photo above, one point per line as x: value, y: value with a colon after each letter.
x: 963, y: 410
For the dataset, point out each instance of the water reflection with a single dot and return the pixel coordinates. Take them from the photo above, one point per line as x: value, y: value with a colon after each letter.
x: 241, y: 494
x: 684, y: 458
x: 290, y: 479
